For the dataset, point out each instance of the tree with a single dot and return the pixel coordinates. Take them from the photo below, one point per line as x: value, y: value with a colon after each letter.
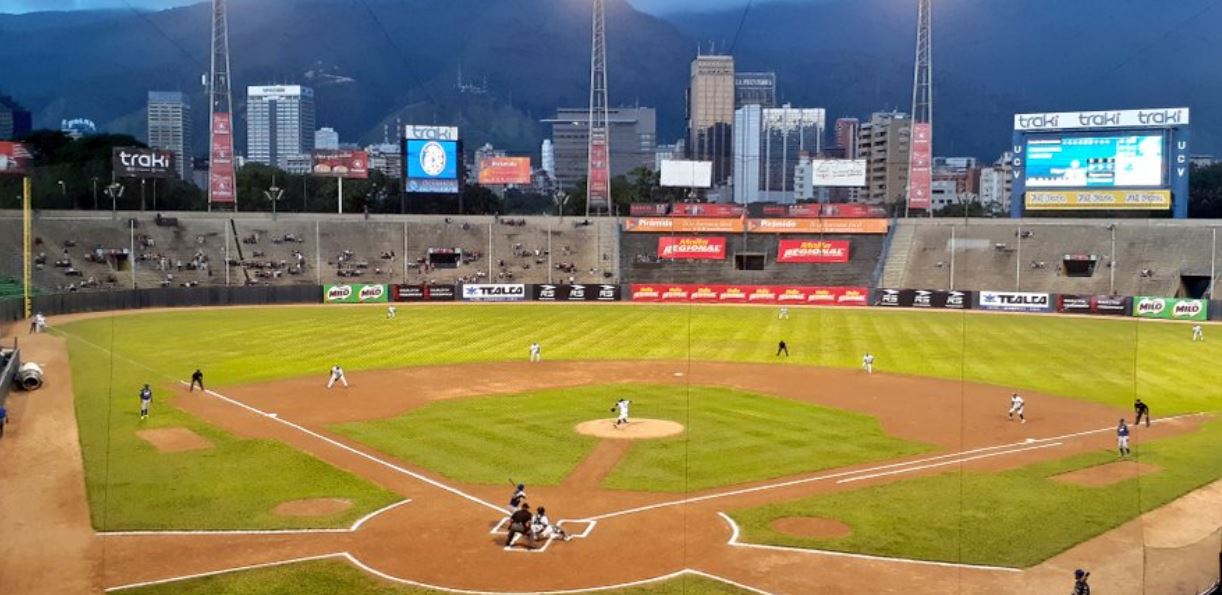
x: 1205, y: 192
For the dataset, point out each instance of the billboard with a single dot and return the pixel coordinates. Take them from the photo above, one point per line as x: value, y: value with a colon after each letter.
x: 681, y: 225
x: 1170, y: 308
x: 838, y: 173
x: 437, y: 133
x: 813, y: 251
x: 494, y: 292
x: 687, y: 174
x: 1104, y: 305
x: 136, y: 162
x: 923, y: 298
x: 504, y: 170
x: 354, y: 293
x: 14, y: 158
x: 1135, y: 161
x: 701, y: 209
x: 920, y: 167
x: 598, y: 182
x: 422, y: 293
x: 692, y: 248
x: 1098, y: 199
x: 341, y: 164
x: 431, y: 166
x: 575, y: 293
x: 1015, y: 301
x: 786, y: 295
x: 849, y: 210
x: 814, y: 226
x: 222, y: 188
x: 1143, y: 118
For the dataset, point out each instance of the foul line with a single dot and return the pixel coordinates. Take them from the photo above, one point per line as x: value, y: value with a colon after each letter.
x: 854, y: 472
x: 172, y: 532
x: 734, y: 542
x: 369, y: 457
x: 954, y: 462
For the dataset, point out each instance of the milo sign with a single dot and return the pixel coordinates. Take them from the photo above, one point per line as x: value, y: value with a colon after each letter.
x: 1170, y: 308
x: 354, y: 293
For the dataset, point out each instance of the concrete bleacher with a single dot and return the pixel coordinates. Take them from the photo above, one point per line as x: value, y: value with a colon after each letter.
x: 1151, y: 257
x: 639, y: 262
x: 189, y: 249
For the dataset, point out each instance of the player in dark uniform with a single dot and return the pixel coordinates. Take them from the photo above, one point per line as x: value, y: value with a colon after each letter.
x: 1079, y: 582
x: 782, y: 348
x: 519, y: 524
x: 146, y: 399
x: 197, y: 378
x: 1142, y: 410
x: 518, y: 499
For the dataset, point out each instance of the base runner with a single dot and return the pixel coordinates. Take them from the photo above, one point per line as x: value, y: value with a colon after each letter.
x: 1016, y: 406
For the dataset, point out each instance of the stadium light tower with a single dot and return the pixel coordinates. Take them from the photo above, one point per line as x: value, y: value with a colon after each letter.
x: 920, y: 157
x: 222, y: 187
x: 598, y: 170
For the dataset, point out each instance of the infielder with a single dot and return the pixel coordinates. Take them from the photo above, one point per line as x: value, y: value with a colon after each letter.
x: 1122, y: 439
x: 146, y: 399
x: 867, y: 363
x: 536, y: 352
x: 197, y: 378
x: 38, y: 324
x: 390, y: 312
x: 782, y: 348
x: 783, y: 314
x: 542, y: 527
x: 622, y: 405
x: 1197, y: 333
x: 1016, y: 406
x: 337, y: 375
x: 1141, y: 410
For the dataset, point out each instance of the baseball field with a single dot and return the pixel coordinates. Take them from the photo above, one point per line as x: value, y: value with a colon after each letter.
x: 740, y: 471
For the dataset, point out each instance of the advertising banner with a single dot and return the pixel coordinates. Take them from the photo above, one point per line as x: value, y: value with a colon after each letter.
x: 923, y: 298
x: 341, y: 164
x: 432, y: 166
x: 813, y: 251
x: 135, y: 162
x: 750, y: 294
x: 500, y: 171
x: 837, y: 226
x: 694, y: 248
x: 494, y: 292
x: 598, y: 185
x: 920, y: 167
x: 575, y: 293
x: 222, y: 187
x: 354, y: 293
x: 14, y: 158
x: 838, y: 173
x: 1103, y: 305
x: 1143, y: 118
x: 1015, y: 301
x: 686, y: 174
x: 682, y: 225
x: 706, y: 210
x: 422, y: 293
x: 1170, y: 308
x: 437, y: 133
x: 1127, y: 161
x: 647, y: 209
x: 836, y: 210
x: 1098, y: 199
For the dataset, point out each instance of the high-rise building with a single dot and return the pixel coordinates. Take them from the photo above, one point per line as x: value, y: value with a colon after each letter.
x: 995, y: 184
x: 633, y: 137
x: 279, y: 123
x: 169, y: 128
x: 15, y: 121
x: 710, y: 113
x: 548, y: 158
x: 768, y: 146
x: 846, y: 136
x: 754, y: 88
x: 326, y: 139
x: 885, y: 142
x: 386, y: 158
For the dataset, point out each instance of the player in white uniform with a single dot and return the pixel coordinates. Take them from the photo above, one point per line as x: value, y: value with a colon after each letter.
x: 1197, y: 333
x: 391, y: 312
x: 867, y: 363
x: 622, y: 404
x: 1016, y: 406
x: 38, y: 324
x: 542, y: 527
x: 783, y: 314
x: 536, y: 352
x: 337, y: 375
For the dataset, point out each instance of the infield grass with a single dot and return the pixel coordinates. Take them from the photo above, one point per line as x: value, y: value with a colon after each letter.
x: 333, y: 577
x: 731, y: 437
x: 1013, y: 518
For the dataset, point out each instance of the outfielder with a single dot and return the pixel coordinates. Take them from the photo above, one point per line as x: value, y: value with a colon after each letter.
x: 622, y: 404
x: 782, y: 348
x: 1197, y: 333
x: 337, y: 375
x: 1122, y: 439
x: 38, y: 324
x: 146, y: 399
x: 197, y: 378
x: 536, y: 352
x: 783, y: 314
x: 1016, y: 406
x: 390, y: 312
x: 867, y: 363
x: 1141, y: 410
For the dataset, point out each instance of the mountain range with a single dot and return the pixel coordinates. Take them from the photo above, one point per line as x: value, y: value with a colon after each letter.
x: 378, y: 63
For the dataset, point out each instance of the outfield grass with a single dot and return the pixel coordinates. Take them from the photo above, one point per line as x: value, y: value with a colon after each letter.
x: 732, y: 437
x: 1015, y: 518
x: 333, y: 577
x: 133, y: 486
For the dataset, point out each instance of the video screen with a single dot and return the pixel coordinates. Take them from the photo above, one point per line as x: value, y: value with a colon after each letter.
x: 1096, y: 161
x: 432, y: 166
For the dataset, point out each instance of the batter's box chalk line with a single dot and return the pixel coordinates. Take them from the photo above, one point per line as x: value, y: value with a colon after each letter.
x: 501, y: 528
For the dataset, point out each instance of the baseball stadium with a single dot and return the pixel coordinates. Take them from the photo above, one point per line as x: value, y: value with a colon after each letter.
x: 727, y: 404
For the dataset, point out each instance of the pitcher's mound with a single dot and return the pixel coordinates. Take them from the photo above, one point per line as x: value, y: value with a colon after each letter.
x: 637, y: 429
x: 313, y: 507
x: 816, y: 527
x: 174, y: 439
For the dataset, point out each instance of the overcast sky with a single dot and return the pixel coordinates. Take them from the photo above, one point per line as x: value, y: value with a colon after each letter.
x: 654, y: 6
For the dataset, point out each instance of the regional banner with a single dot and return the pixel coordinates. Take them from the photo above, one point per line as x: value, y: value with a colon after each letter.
x: 1170, y: 308
x: 354, y: 293
x: 692, y: 248
x: 813, y: 251
x: 784, y: 295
